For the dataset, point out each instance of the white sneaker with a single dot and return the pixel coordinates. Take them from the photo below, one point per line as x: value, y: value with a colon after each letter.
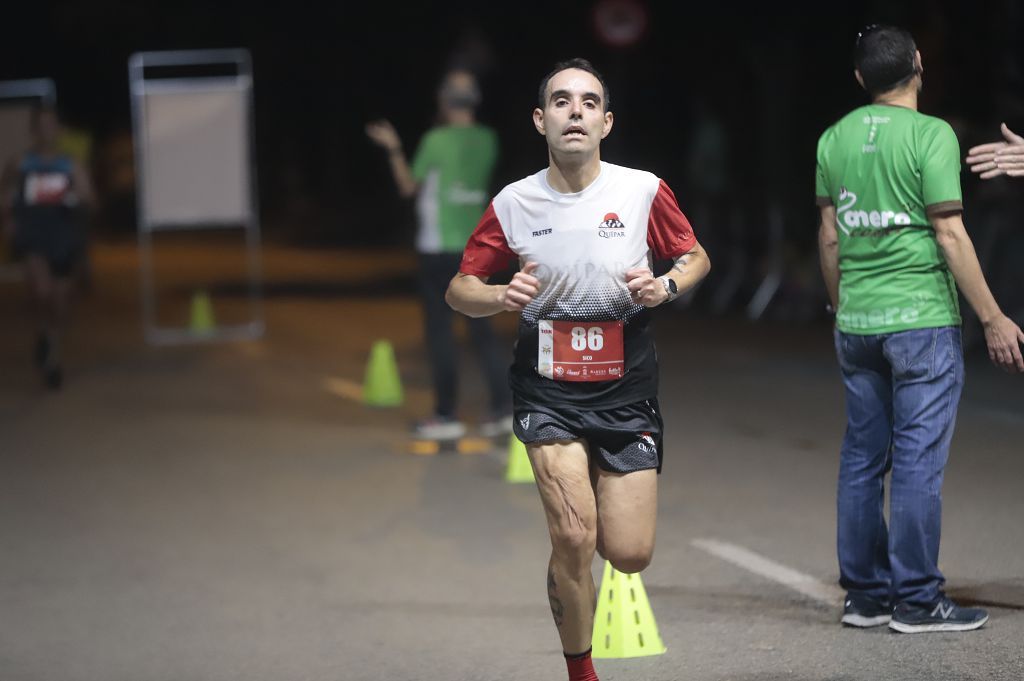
x: 438, y: 428
x: 496, y: 427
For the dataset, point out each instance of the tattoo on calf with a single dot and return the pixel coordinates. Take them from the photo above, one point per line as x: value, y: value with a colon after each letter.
x: 557, y: 609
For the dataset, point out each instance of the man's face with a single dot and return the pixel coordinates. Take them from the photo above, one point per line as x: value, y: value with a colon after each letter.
x: 459, y: 91
x: 573, y: 119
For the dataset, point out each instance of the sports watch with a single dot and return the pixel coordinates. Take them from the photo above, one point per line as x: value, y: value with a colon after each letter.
x: 670, y: 287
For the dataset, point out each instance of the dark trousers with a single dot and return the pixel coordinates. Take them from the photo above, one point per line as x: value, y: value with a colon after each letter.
x: 435, y: 272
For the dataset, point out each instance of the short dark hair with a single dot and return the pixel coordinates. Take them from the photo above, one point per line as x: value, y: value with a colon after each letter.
x: 576, y: 63
x: 884, y: 55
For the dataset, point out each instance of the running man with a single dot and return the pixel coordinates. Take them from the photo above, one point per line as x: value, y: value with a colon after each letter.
x: 892, y: 244
x: 42, y: 196
x: 584, y: 375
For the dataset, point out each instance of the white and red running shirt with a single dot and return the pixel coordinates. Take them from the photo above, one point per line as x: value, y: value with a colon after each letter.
x: 583, y: 244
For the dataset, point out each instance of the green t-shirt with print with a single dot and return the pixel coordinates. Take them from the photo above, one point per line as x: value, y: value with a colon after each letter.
x: 453, y: 165
x: 886, y: 169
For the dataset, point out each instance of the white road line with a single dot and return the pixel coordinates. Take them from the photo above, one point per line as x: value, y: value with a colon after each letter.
x: 777, y: 572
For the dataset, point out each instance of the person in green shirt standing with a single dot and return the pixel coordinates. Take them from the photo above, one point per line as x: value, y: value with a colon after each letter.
x: 893, y: 250
x: 450, y: 176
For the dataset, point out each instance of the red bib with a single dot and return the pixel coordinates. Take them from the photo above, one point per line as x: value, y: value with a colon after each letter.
x: 580, y: 351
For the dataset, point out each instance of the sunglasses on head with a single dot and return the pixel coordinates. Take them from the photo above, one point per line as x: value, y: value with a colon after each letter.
x: 866, y: 30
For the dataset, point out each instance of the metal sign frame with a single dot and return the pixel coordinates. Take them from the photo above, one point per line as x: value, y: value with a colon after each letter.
x: 43, y: 88
x: 142, y: 84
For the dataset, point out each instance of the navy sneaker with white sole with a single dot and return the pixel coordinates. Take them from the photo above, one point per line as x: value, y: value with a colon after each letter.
x: 943, y: 615
x: 864, y: 612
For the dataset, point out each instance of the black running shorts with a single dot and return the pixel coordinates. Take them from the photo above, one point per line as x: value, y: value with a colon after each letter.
x: 61, y: 250
x: 621, y: 440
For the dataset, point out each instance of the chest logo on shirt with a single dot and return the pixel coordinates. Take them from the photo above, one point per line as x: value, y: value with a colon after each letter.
x: 612, y: 227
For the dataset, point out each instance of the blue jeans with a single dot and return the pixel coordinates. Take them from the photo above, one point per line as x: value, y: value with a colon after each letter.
x: 902, y: 393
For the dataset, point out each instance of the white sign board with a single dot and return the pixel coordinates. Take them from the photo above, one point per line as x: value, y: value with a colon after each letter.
x: 196, y: 155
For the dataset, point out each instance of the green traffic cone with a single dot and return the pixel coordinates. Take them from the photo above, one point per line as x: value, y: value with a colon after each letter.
x: 201, y: 317
x: 382, y: 387
x: 519, y: 468
x: 624, y: 623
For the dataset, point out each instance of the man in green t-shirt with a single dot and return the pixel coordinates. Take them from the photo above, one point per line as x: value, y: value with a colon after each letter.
x: 450, y: 177
x: 893, y: 250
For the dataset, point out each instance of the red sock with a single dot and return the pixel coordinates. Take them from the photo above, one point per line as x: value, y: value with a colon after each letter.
x: 581, y: 668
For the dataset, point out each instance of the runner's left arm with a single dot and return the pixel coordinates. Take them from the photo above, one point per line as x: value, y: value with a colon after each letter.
x: 83, y: 185
x: 669, y: 237
x: 687, y: 271
x: 690, y: 268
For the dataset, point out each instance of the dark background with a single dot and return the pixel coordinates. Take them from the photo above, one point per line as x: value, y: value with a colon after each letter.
x: 768, y: 78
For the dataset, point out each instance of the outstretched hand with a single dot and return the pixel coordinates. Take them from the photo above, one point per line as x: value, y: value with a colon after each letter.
x: 998, y: 158
x: 384, y: 134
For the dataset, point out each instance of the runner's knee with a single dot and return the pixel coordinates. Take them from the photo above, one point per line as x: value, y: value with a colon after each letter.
x: 631, y: 560
x: 574, y: 537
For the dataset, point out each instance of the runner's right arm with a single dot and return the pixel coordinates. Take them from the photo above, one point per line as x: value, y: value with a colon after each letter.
x: 474, y: 297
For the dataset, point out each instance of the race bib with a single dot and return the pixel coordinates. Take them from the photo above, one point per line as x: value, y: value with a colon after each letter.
x: 580, y: 351
x: 46, y: 189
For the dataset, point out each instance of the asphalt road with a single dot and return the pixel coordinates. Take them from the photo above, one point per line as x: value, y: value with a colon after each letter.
x: 226, y: 511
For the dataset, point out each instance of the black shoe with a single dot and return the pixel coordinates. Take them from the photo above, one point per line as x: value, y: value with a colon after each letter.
x: 41, y: 352
x: 53, y: 377
x: 942, y: 615
x: 862, y: 611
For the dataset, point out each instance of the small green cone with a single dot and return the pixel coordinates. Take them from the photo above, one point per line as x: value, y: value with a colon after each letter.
x: 382, y: 387
x: 519, y: 468
x: 624, y: 623
x: 201, y: 317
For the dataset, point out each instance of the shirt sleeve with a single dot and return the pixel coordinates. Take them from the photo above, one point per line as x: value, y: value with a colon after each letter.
x: 669, y: 234
x: 487, y: 251
x: 822, y: 196
x: 424, y: 157
x: 940, y: 170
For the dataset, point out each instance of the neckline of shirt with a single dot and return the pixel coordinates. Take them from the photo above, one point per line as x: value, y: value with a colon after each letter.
x: 602, y: 173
